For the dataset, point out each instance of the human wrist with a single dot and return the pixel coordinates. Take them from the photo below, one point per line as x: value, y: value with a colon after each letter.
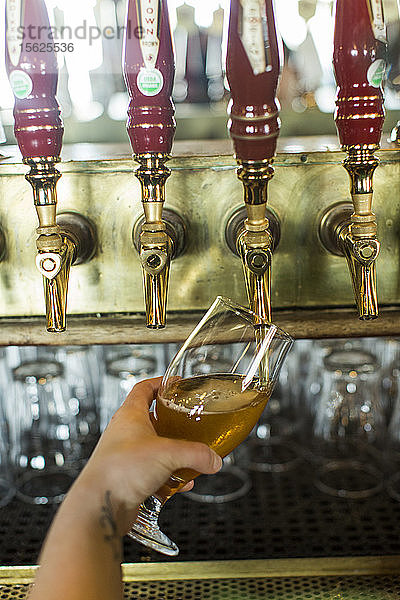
x: 96, y: 501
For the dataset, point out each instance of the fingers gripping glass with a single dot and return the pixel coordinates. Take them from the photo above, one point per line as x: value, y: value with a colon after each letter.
x: 217, y: 408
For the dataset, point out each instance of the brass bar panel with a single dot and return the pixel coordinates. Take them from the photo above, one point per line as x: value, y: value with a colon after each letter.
x: 204, y: 190
x: 237, y: 569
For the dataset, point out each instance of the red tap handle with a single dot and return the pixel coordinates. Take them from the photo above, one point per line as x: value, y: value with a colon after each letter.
x: 359, y: 63
x: 253, y: 67
x: 32, y: 69
x: 149, y: 71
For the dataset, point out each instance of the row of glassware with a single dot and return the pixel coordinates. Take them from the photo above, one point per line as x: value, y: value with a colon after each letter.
x: 336, y: 405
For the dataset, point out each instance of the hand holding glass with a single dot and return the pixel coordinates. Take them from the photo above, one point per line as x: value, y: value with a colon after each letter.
x: 219, y: 408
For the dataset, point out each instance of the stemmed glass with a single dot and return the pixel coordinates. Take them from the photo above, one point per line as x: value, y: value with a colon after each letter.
x: 217, y: 408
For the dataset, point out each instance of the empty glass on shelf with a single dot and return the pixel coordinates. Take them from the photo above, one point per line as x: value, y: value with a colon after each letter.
x: 124, y: 367
x: 7, y: 488
x: 81, y: 374
x: 273, y: 445
x: 44, y: 446
x: 349, y: 425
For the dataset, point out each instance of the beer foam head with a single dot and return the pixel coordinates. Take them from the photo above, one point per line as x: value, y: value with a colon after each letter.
x: 208, y: 394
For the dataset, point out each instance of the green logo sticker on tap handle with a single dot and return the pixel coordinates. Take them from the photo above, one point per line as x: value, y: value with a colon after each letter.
x: 376, y: 72
x: 21, y: 84
x: 150, y: 81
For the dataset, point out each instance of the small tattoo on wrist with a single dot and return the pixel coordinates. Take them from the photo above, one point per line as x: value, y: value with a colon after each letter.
x: 109, y: 526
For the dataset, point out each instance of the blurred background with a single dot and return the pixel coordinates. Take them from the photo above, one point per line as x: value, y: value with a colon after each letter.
x: 92, y: 92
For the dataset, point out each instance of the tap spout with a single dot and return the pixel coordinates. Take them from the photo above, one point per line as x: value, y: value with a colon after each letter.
x: 361, y: 257
x: 55, y: 267
x: 155, y: 245
x: 359, y: 239
x: 62, y: 241
x: 255, y: 243
x: 55, y: 252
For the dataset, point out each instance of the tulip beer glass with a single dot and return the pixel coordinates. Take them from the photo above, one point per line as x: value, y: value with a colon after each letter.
x: 218, y: 408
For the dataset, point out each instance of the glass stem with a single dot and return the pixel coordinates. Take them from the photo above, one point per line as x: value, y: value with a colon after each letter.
x: 148, y: 514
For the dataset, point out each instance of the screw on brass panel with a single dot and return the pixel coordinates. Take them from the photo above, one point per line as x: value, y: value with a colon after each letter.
x: 153, y: 261
x: 258, y: 260
x: 367, y: 251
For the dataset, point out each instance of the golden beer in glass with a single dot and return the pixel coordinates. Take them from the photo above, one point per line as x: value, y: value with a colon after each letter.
x: 218, y: 409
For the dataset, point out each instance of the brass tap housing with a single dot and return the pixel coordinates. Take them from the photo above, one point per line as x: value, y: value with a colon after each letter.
x: 355, y: 234
x: 57, y: 250
x: 155, y: 245
x: 255, y: 243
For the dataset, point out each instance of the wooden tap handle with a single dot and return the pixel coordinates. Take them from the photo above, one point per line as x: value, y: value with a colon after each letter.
x: 253, y: 67
x: 359, y: 64
x: 149, y: 71
x: 32, y: 68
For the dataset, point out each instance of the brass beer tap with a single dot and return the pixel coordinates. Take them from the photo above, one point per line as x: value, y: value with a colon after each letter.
x: 359, y: 51
x: 39, y: 131
x: 149, y: 74
x: 253, y: 67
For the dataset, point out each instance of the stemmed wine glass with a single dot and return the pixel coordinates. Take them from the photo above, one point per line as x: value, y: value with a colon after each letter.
x: 216, y: 408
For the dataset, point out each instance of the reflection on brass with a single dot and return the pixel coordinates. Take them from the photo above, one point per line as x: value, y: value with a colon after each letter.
x: 255, y: 242
x: 175, y: 227
x: 395, y: 134
x: 235, y: 226
x: 56, y: 288
x: 3, y: 246
x: 82, y: 233
x: 155, y: 245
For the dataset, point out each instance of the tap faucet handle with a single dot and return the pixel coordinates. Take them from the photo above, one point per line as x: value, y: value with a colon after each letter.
x: 360, y: 65
x: 253, y: 67
x: 149, y: 71
x: 33, y: 76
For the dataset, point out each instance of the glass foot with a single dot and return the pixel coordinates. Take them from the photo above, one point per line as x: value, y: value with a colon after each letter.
x: 229, y: 484
x: 146, y: 531
x: 7, y: 492
x: 48, y: 487
x: 273, y: 455
x: 349, y: 479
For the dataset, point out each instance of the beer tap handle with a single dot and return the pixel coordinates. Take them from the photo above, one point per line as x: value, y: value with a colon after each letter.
x: 253, y: 67
x: 149, y: 71
x: 359, y: 64
x: 149, y: 74
x: 33, y: 76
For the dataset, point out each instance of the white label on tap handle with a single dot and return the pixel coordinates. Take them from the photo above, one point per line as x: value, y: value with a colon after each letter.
x: 149, y: 13
x: 377, y: 20
x: 253, y: 33
x: 13, y: 35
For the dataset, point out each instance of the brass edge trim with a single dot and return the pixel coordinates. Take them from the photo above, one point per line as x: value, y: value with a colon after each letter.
x: 236, y: 569
x: 17, y: 575
x: 263, y: 568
